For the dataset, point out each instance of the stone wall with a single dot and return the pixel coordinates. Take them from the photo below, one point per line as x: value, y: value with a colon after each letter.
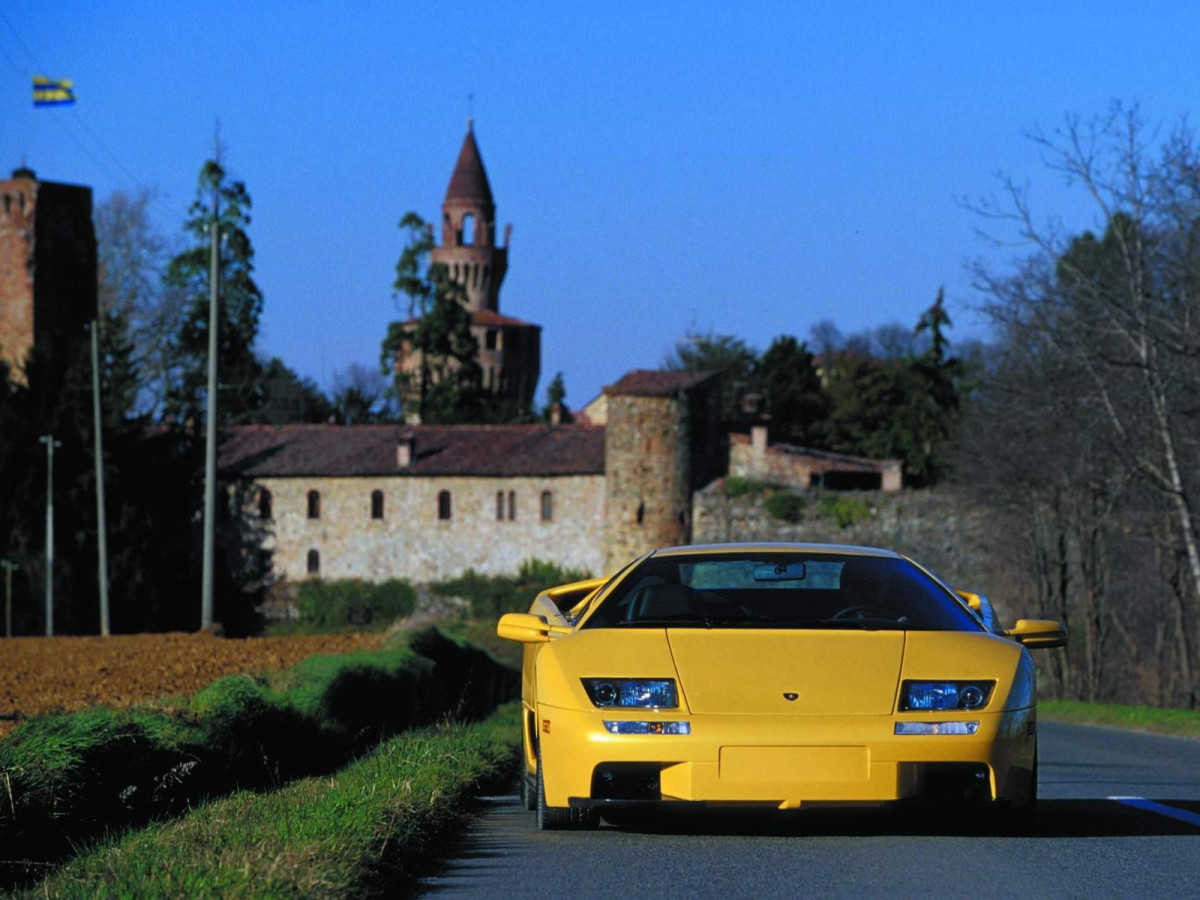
x: 963, y: 544
x: 411, y: 542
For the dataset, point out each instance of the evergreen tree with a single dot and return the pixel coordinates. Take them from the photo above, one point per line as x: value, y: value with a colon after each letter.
x: 240, y: 307
x: 447, y: 388
x: 556, y: 393
x: 792, y: 392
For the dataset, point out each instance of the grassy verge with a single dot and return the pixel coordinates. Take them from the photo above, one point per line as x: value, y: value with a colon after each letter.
x: 377, y: 824
x: 67, y: 779
x: 1144, y: 718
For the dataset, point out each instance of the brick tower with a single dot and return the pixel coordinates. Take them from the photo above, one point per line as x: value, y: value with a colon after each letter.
x: 47, y: 269
x: 510, y: 350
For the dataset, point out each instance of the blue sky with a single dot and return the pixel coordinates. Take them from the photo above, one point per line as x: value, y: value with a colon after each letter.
x: 746, y: 168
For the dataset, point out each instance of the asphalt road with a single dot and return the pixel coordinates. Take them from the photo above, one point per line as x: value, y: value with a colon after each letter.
x: 1084, y: 844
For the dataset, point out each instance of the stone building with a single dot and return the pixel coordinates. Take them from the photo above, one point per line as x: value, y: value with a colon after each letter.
x: 426, y: 502
x: 509, y: 349
x: 47, y: 269
x: 753, y: 456
x: 422, y: 502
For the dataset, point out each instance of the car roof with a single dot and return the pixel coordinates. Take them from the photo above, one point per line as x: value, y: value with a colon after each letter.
x: 775, y: 547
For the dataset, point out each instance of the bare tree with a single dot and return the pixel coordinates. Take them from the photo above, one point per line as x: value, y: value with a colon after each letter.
x: 133, y: 255
x: 1118, y: 314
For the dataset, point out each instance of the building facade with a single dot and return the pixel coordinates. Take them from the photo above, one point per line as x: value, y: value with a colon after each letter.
x: 509, y: 349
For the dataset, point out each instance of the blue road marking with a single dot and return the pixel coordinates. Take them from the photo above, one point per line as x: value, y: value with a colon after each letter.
x: 1161, y: 808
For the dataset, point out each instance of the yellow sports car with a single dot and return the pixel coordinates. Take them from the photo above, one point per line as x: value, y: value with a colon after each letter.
x: 783, y: 675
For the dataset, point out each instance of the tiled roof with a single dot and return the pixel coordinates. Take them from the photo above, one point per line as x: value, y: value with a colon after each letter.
x: 655, y: 383
x: 488, y: 318
x: 840, y: 461
x: 442, y: 450
x: 469, y: 181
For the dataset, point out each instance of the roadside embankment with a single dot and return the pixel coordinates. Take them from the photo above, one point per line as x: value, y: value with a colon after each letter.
x: 1185, y: 722
x: 67, y: 779
x: 376, y: 825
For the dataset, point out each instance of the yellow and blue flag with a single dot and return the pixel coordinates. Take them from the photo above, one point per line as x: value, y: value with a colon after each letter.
x: 53, y: 91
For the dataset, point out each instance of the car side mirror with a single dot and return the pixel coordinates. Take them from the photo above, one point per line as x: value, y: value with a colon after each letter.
x: 982, y: 607
x: 1038, y: 634
x: 526, y: 628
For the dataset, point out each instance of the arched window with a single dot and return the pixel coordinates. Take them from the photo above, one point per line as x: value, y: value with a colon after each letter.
x: 489, y: 339
x: 641, y: 513
x: 547, y: 506
x: 499, y: 506
x: 314, y: 504
x: 264, y: 504
x: 512, y: 505
x: 376, y: 504
x: 443, y: 505
x: 468, y: 230
x: 314, y: 562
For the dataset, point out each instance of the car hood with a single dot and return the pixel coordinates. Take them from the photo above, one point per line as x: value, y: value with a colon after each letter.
x: 830, y: 672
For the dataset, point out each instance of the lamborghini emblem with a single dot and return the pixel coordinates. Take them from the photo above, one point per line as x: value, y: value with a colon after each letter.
x: 790, y: 696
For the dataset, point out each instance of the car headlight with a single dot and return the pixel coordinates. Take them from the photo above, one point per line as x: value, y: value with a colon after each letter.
x: 945, y: 694
x: 656, y: 693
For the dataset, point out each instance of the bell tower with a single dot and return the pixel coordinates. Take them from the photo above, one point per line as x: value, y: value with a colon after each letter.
x: 468, y: 247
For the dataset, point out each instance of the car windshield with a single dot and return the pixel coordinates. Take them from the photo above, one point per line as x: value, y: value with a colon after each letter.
x: 780, y: 590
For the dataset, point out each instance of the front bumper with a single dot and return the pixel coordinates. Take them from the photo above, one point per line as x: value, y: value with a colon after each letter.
x: 784, y: 761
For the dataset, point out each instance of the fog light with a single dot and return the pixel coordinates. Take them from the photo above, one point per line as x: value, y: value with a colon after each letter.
x: 936, y: 727
x: 626, y: 727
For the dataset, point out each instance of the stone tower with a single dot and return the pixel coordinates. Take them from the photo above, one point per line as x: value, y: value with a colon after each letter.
x: 509, y: 349
x: 468, y: 249
x: 47, y: 269
x: 661, y: 442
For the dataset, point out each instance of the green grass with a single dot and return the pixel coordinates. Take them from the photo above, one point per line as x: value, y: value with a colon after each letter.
x: 67, y: 779
x: 785, y: 506
x: 1144, y: 718
x: 845, y: 510
x: 482, y: 633
x: 377, y: 824
x: 736, y: 486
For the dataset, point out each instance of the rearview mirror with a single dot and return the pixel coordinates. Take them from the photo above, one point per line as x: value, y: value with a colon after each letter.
x: 1038, y: 634
x: 524, y: 628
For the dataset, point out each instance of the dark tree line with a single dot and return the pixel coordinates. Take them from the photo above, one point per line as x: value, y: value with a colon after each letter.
x: 893, y: 393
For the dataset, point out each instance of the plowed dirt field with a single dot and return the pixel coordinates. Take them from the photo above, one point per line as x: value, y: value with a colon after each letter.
x: 39, y: 674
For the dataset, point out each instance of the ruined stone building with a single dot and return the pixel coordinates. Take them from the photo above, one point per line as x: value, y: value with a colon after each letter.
x: 47, y: 270
x: 509, y: 349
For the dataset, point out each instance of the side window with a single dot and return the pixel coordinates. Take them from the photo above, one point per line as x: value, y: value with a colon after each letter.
x: 314, y: 562
x: 547, y: 506
x: 512, y: 505
x: 444, y: 505
x: 264, y: 504
x: 499, y: 506
x: 314, y: 504
x: 376, y: 504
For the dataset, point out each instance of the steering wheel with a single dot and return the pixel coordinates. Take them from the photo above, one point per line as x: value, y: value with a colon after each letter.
x: 865, y: 611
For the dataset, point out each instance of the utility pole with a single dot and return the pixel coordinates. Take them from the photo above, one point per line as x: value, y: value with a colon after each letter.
x: 210, y: 438
x: 8, y: 565
x: 101, y: 529
x: 51, y: 443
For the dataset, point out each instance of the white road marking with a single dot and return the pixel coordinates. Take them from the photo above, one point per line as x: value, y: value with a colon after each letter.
x: 1161, y: 808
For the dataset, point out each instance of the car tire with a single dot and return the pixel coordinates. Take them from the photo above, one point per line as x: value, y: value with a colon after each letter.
x: 1022, y: 818
x: 528, y: 791
x: 557, y: 818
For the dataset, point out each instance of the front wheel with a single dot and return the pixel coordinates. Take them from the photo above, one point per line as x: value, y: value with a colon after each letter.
x: 555, y: 818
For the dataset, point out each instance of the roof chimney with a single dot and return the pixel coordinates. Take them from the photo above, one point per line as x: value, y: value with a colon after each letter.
x: 406, y: 451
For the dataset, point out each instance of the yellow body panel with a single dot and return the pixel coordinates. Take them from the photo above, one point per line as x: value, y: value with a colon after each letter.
x: 786, y: 717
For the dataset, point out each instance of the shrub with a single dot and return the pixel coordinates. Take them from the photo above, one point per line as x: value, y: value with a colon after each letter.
x: 492, y: 596
x: 785, y: 505
x: 736, y: 486
x: 845, y: 510
x: 354, y: 602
